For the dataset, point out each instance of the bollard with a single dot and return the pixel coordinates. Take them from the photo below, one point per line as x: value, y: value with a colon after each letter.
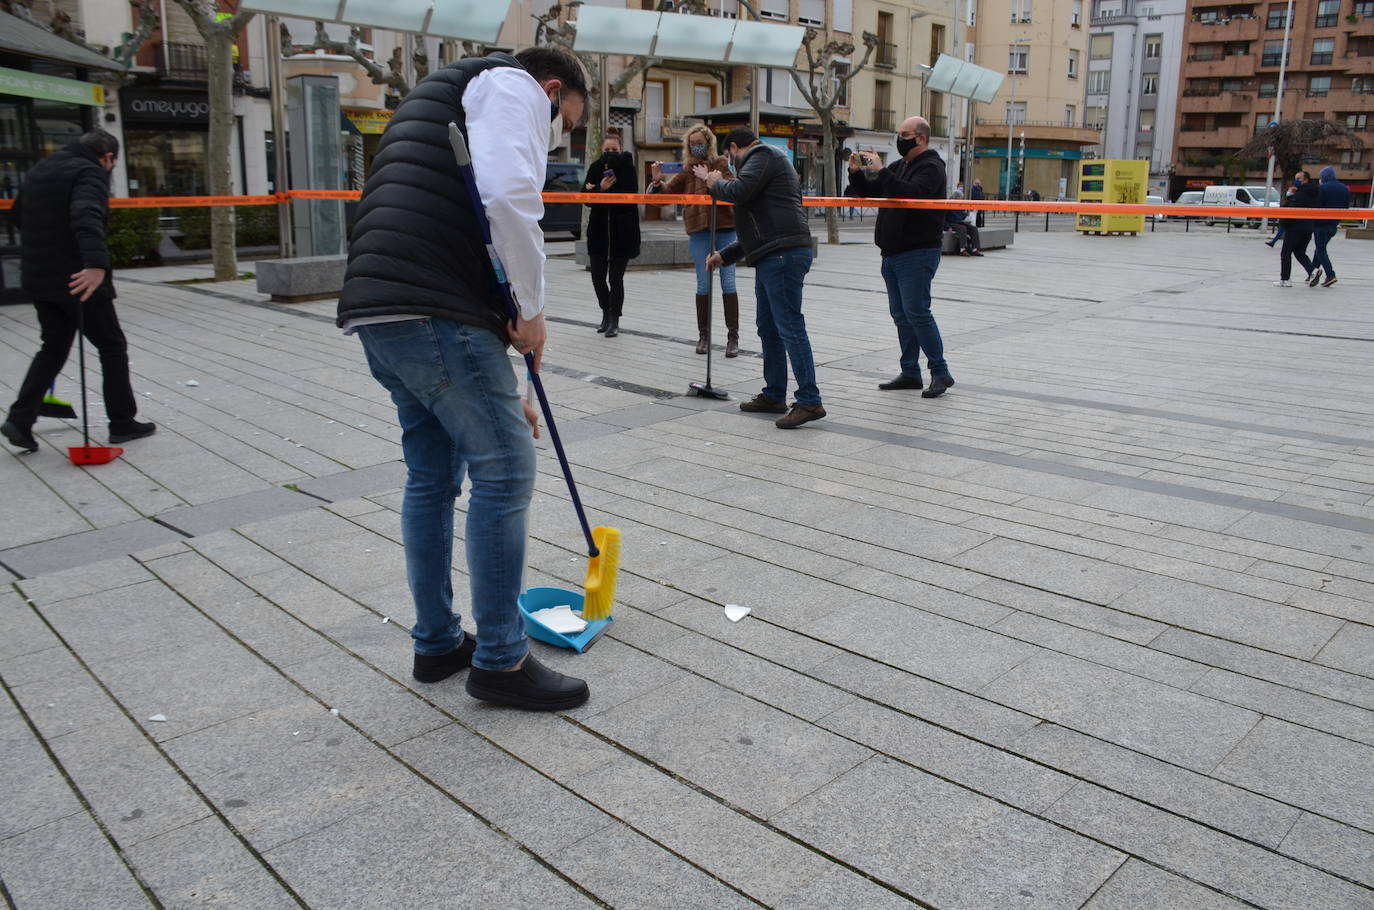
x: 1047, y: 222
x: 1017, y: 225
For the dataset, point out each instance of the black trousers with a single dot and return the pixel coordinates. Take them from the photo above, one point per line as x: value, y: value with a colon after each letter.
x: 610, y: 295
x: 57, y: 320
x: 967, y: 237
x: 1294, y: 247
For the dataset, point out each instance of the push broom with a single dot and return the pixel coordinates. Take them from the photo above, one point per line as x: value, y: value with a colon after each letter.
x: 603, y: 544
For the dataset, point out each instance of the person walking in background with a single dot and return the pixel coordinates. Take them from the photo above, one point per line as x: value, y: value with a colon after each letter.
x: 960, y: 223
x: 1299, y: 233
x: 910, y: 241
x: 612, y: 230
x: 976, y: 192
x: 61, y: 211
x: 1331, y: 194
x: 774, y: 238
x: 699, y: 148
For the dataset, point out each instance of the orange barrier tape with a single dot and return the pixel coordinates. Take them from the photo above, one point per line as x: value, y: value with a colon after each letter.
x: 1217, y: 212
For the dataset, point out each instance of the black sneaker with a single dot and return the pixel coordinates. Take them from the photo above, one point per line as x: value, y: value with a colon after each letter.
x: 533, y: 687
x: 19, y: 438
x: 1330, y: 280
x: 1314, y: 278
x: 938, y: 384
x: 131, y: 430
x: 799, y: 415
x: 432, y: 668
x: 762, y: 404
x: 903, y: 381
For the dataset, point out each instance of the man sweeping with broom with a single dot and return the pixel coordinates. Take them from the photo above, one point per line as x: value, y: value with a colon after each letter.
x: 422, y: 295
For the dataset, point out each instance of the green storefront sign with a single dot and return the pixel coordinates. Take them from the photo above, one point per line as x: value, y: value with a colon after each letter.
x: 49, y: 88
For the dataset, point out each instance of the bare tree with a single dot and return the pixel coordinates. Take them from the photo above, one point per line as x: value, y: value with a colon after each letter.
x: 823, y: 88
x: 219, y: 36
x: 394, y: 76
x: 1292, y: 140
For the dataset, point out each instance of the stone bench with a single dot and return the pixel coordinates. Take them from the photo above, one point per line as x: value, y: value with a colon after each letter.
x: 991, y: 238
x: 662, y: 253
x: 301, y: 279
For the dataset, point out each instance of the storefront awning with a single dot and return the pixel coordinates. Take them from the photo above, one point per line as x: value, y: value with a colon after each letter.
x: 472, y: 20
x: 29, y: 40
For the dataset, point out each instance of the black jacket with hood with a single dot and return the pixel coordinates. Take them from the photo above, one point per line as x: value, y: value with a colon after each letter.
x: 61, y: 211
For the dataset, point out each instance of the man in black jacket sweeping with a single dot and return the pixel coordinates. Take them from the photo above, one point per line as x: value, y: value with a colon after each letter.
x: 61, y: 211
x: 910, y: 241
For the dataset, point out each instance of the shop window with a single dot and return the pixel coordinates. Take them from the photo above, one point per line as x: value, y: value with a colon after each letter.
x: 166, y: 162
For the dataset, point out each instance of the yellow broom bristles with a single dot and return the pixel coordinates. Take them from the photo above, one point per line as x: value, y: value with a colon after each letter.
x: 601, y: 570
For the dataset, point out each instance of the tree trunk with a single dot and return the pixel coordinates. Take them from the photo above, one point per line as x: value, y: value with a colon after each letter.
x: 832, y: 214
x: 219, y: 54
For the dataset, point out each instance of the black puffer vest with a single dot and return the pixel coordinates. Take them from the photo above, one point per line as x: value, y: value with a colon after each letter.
x: 416, y: 248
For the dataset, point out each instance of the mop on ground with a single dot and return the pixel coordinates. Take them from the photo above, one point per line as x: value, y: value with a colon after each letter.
x: 553, y: 615
x: 87, y: 453
x: 705, y: 389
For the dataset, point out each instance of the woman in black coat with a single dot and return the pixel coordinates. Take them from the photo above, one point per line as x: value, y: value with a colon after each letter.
x: 612, y: 230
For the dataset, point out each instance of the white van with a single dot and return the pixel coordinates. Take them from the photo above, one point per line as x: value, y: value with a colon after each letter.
x: 1239, y: 195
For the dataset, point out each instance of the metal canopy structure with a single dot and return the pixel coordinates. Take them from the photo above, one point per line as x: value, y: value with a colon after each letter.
x: 676, y: 36
x: 471, y: 20
x: 963, y: 79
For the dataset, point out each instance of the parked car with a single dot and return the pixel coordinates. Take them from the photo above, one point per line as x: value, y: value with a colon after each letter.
x: 1159, y: 201
x: 560, y: 217
x: 1239, y: 195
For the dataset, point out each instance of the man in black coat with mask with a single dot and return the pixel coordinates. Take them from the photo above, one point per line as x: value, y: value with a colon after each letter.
x: 61, y: 211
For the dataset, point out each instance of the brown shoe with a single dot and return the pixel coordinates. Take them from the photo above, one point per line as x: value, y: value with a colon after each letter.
x: 799, y: 415
x: 732, y: 343
x: 762, y: 404
x: 701, y: 345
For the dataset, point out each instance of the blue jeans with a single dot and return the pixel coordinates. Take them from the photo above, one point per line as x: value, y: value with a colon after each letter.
x: 459, y: 408
x: 908, y: 276
x: 1322, y: 236
x: 700, y: 244
x: 778, y: 280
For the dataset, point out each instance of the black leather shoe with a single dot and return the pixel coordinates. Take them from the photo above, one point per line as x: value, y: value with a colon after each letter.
x: 613, y: 328
x: 19, y: 438
x: 938, y: 384
x: 133, y: 429
x: 433, y: 668
x: 901, y: 382
x: 533, y: 687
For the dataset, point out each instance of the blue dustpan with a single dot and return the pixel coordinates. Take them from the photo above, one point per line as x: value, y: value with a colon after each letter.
x: 542, y: 598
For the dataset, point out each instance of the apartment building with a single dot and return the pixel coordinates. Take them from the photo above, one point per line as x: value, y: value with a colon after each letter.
x: 1230, y: 84
x: 1043, y: 44
x: 1135, y: 52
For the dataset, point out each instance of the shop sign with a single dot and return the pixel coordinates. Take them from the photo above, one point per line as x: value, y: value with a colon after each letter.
x: 164, y: 107
x: 368, y: 121
x: 49, y: 88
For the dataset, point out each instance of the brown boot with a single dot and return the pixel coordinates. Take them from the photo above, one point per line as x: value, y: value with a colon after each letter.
x: 703, y: 320
x: 732, y: 324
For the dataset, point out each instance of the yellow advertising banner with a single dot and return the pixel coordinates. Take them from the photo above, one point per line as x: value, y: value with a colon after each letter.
x: 368, y: 121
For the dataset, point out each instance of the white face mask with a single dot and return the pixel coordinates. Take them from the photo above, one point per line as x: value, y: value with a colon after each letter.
x: 556, y: 127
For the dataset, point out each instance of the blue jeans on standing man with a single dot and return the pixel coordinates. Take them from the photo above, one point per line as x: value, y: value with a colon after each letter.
x: 459, y: 408
x: 699, y: 242
x: 778, y: 280
x: 908, y: 276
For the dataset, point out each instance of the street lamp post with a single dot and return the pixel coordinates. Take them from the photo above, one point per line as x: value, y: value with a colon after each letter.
x: 1011, y: 106
x: 1278, y: 109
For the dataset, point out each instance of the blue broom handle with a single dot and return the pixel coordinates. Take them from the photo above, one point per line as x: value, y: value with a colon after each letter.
x: 464, y: 160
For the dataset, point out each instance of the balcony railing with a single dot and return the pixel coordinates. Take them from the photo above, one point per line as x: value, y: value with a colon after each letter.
x: 883, y: 120
x: 183, y: 61
x: 887, y: 54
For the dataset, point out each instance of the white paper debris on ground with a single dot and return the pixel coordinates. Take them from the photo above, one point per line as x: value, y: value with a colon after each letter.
x: 192, y: 383
x: 734, y: 612
x: 158, y: 718
x: 561, y: 619
x: 386, y: 619
x: 334, y: 711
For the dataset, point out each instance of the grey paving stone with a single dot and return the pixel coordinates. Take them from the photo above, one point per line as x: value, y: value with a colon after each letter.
x: 86, y: 547
x: 67, y: 863
x: 986, y: 769
x: 1314, y: 770
x: 1051, y: 570
x: 386, y: 711
x: 36, y: 666
x: 1274, y: 627
x: 308, y: 599
x: 1352, y: 649
x: 792, y: 649
x: 1140, y: 886
x: 1232, y: 866
x: 106, y: 575
x: 203, y: 864
x: 750, y: 754
x: 236, y: 510
x: 379, y: 478
x: 199, y: 580
x: 1349, y: 721
x: 32, y: 789
x: 126, y: 620
x: 1332, y: 846
x: 1215, y: 803
x: 1158, y: 720
x: 411, y: 841
x: 946, y: 844
x: 1067, y: 610
x: 839, y: 887
x: 65, y: 704
x: 915, y: 593
x: 1101, y: 649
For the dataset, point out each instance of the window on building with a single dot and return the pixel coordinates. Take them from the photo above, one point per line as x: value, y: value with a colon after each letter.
x: 1261, y: 123
x: 1018, y: 59
x: 1318, y: 86
x: 1268, y: 88
x: 1203, y: 53
x: 841, y: 87
x: 1278, y: 15
x: 1076, y: 16
x: 842, y: 16
x: 1142, y: 150
x: 887, y: 48
x: 1364, y: 9
x: 1020, y: 10
x: 1154, y: 47
x: 1095, y: 115
x: 937, y: 42
x: 1149, y: 84
x: 1327, y: 12
x: 1362, y: 85
x: 1100, y: 47
x: 1232, y: 84
x: 703, y: 97
x: 1352, y: 157
x: 1073, y: 64
x: 1099, y: 82
x: 811, y: 12
x: 1107, y: 9
x: 729, y: 9
x: 1236, y: 49
x: 1147, y: 120
x: 1323, y: 49
x: 1273, y: 54
x: 1208, y: 15
x: 776, y: 10
x: 883, y: 113
x: 1016, y: 112
x: 1357, y: 121
x: 1070, y: 112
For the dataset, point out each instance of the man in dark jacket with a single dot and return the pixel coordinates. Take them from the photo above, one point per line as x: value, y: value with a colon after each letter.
x: 61, y: 212
x: 1298, y: 233
x: 910, y: 241
x: 773, y: 238
x: 422, y: 295
x: 1331, y: 194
